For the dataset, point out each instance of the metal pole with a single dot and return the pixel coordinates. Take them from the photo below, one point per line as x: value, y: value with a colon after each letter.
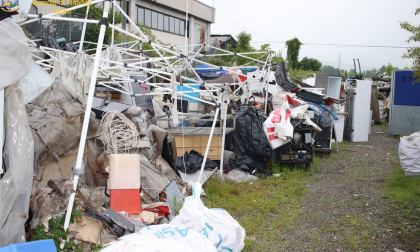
x: 208, y: 143
x: 123, y: 19
x: 87, y: 112
x: 113, y: 22
x: 222, y: 155
x: 83, y: 30
x: 186, y: 26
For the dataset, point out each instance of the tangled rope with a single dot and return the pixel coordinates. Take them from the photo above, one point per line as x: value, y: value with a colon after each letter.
x: 119, y: 134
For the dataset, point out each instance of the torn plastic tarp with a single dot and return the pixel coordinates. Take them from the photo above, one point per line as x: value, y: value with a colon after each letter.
x: 15, y: 57
x: 56, y: 117
x: 16, y: 184
x: 193, y: 162
x: 253, y: 148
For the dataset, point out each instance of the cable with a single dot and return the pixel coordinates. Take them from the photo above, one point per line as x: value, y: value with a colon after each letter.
x: 378, y: 46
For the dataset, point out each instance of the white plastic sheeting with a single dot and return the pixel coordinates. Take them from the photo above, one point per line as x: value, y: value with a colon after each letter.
x: 24, y: 6
x: 224, y: 232
x: 35, y: 82
x: 409, y: 153
x: 162, y: 238
x: 74, y: 70
x: 15, y: 57
x: 16, y: 184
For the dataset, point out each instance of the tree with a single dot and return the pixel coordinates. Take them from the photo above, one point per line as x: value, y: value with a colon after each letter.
x: 243, y: 45
x: 389, y: 69
x: 310, y: 64
x: 413, y: 53
x: 293, y: 47
x: 277, y: 57
x: 329, y: 69
x: 382, y: 69
x: 92, y: 30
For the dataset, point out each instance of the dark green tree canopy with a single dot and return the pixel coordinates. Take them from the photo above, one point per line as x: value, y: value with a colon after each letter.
x: 92, y: 30
x: 310, y: 64
x: 293, y: 47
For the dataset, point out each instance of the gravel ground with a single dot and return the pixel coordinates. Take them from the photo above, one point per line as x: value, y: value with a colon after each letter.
x: 345, y: 207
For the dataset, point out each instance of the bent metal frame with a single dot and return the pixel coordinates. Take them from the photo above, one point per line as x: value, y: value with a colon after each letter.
x: 177, y: 64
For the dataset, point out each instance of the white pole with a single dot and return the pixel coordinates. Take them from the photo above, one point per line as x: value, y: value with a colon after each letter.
x: 223, y: 143
x: 87, y: 113
x: 83, y: 30
x: 208, y: 143
x: 113, y: 23
x: 186, y: 30
x: 1, y: 128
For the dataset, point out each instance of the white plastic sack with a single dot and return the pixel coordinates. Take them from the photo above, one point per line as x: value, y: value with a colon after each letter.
x: 223, y: 231
x: 162, y: 238
x: 409, y: 153
x: 16, y: 184
x: 15, y: 57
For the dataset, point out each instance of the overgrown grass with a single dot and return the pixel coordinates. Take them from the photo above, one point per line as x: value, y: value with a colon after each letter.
x: 404, y: 194
x: 262, y: 207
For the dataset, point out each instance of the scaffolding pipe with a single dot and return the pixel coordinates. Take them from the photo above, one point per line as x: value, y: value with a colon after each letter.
x: 209, y: 143
x: 86, y: 119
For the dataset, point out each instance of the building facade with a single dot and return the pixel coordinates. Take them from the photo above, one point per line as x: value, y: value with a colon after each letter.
x: 167, y: 20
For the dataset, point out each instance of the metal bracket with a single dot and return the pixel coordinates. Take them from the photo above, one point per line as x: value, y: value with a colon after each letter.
x: 77, y: 171
x: 104, y: 21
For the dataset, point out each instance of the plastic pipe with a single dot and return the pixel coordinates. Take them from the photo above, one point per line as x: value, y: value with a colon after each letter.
x: 87, y: 113
x: 84, y: 30
x: 208, y: 144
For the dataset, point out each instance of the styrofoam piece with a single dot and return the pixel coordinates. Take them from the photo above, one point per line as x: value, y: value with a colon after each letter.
x: 124, y: 171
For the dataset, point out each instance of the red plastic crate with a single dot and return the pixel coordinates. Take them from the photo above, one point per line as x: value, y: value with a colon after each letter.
x: 127, y: 200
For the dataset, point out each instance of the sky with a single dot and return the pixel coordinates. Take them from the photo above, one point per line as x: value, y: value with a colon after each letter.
x: 357, y: 22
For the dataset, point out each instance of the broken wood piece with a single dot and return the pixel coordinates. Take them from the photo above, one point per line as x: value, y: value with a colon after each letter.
x: 103, y: 161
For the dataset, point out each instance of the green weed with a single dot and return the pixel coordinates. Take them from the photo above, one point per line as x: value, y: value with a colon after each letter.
x: 266, y: 205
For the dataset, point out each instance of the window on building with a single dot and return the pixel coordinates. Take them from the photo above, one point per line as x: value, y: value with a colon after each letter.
x: 148, y: 18
x: 182, y: 27
x: 176, y: 26
x: 166, y: 23
x: 172, y: 24
x: 140, y: 16
x: 154, y: 20
x: 160, y: 21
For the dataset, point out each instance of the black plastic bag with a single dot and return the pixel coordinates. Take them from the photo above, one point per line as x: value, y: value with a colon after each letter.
x: 253, y: 148
x: 193, y: 162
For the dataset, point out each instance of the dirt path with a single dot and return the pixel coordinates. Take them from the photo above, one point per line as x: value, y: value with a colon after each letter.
x: 345, y: 207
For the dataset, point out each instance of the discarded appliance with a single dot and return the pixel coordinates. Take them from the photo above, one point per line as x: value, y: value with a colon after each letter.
x: 357, y: 107
x: 299, y: 149
x: 404, y: 104
x: 124, y: 182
